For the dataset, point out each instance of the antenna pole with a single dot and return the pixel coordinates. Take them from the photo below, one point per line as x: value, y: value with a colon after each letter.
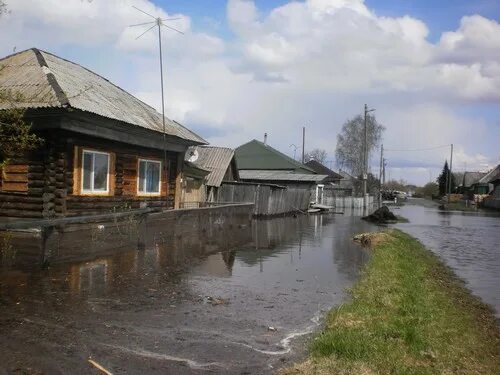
x: 303, y: 143
x: 158, y: 22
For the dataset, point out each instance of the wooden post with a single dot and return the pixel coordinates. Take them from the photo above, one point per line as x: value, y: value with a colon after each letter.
x: 178, y: 180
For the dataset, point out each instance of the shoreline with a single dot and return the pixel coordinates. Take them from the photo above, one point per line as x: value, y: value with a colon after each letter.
x: 409, y: 313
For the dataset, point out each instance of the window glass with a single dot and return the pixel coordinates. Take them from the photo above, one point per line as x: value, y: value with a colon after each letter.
x: 95, y: 171
x: 101, y: 162
x: 87, y: 170
x: 142, y: 176
x: 149, y: 176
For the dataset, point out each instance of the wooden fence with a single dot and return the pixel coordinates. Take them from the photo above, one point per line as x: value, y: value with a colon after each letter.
x: 268, y: 199
x: 348, y: 202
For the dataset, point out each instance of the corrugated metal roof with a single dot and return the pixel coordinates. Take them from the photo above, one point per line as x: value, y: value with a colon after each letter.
x: 46, y: 80
x: 492, y: 175
x: 471, y: 178
x: 214, y: 159
x: 317, y: 167
x: 269, y: 175
x: 257, y: 155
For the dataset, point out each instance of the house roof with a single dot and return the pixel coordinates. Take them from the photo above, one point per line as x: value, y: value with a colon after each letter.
x: 257, y: 155
x: 192, y: 170
x: 471, y: 178
x: 48, y: 81
x: 214, y: 159
x: 346, y: 175
x: 319, y: 168
x: 491, y: 176
x: 277, y: 175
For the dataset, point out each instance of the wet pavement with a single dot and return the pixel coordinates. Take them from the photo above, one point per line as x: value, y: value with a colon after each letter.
x: 186, y: 307
x: 468, y: 242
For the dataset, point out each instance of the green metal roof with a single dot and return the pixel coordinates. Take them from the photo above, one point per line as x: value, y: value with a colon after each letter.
x: 257, y: 155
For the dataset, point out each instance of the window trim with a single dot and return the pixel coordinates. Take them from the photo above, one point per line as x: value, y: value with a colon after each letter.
x: 108, y: 179
x: 143, y: 193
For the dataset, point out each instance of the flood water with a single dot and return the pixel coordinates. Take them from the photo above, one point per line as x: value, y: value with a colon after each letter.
x: 468, y: 242
x: 183, y: 307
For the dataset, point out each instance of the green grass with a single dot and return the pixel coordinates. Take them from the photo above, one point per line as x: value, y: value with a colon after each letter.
x: 409, y: 314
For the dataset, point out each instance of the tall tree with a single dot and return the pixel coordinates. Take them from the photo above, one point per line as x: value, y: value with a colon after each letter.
x: 350, y: 140
x: 3, y: 7
x: 317, y: 154
x: 442, y: 180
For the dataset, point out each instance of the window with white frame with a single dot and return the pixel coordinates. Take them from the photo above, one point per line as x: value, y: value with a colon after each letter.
x: 149, y: 176
x: 95, y: 172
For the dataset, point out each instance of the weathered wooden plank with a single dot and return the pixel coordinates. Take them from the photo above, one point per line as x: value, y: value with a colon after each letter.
x: 14, y: 186
x: 16, y: 168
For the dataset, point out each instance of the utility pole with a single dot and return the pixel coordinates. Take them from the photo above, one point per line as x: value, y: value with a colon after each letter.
x: 303, y: 143
x: 380, y: 173
x: 365, y: 156
x: 383, y: 171
x: 449, y: 173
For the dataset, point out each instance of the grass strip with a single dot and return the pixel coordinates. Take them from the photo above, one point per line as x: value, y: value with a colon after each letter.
x: 409, y: 314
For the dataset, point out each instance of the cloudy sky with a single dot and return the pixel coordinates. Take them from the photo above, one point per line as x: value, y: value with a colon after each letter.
x: 431, y: 69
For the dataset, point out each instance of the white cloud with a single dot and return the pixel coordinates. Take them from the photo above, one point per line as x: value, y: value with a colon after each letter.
x: 477, y: 39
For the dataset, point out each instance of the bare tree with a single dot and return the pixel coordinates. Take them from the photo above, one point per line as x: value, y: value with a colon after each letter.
x: 317, y: 154
x: 3, y: 7
x: 349, y: 151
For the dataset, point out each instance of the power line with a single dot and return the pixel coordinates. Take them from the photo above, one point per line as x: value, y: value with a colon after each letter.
x: 417, y: 149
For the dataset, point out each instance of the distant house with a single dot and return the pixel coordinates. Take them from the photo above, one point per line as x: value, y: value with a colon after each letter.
x: 347, y: 186
x: 333, y: 177
x: 104, y: 149
x: 492, y: 178
x: 331, y: 185
x: 470, y: 185
x: 259, y: 162
x: 220, y: 163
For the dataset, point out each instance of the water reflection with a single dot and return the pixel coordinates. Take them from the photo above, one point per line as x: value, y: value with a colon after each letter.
x: 195, y: 295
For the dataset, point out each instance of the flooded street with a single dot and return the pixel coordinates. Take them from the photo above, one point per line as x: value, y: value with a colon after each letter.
x: 468, y: 242
x: 183, y: 307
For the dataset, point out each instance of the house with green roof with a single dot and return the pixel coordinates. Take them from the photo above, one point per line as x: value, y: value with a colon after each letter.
x: 259, y: 162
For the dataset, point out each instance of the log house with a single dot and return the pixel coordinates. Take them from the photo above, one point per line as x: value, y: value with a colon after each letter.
x: 104, y: 150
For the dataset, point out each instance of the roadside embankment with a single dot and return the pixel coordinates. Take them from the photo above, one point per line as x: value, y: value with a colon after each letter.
x: 409, y: 314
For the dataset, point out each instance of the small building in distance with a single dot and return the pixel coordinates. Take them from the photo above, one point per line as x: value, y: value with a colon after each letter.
x: 492, y: 178
x: 103, y: 149
x: 316, y: 166
x: 219, y: 162
x: 348, y: 184
x: 469, y: 184
x: 260, y: 163
x: 330, y: 187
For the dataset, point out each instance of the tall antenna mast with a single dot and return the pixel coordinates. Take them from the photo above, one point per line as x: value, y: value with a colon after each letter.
x: 158, y: 21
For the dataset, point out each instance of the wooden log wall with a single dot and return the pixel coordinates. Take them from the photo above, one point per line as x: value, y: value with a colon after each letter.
x: 124, y: 195
x: 46, y: 180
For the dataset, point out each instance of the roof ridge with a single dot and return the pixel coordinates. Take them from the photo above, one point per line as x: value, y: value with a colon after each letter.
x: 272, y: 149
x: 100, y: 76
x: 51, y: 78
x: 220, y: 147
